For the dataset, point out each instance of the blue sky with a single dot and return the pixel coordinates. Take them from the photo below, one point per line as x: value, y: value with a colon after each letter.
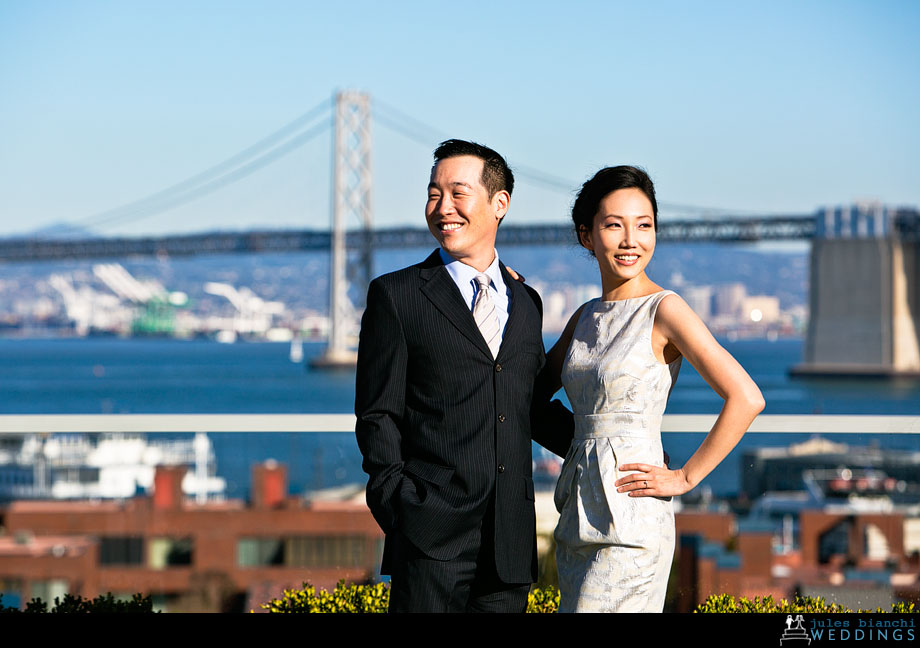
x: 776, y: 107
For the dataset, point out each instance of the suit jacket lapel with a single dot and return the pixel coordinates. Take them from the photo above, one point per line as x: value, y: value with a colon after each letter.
x: 443, y: 293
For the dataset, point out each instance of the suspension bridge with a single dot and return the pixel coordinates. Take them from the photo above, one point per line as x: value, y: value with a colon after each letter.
x: 865, y: 273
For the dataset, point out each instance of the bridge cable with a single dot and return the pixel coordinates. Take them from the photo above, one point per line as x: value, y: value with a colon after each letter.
x: 210, y: 180
x: 410, y: 127
x: 181, y: 198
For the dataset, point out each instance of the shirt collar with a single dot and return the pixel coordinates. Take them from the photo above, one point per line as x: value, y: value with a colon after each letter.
x: 462, y: 273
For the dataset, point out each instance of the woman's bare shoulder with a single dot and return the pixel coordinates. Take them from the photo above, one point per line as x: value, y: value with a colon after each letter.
x: 677, y: 320
x: 673, y: 307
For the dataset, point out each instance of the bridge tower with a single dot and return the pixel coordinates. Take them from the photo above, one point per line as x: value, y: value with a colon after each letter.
x: 352, y: 181
x: 865, y: 295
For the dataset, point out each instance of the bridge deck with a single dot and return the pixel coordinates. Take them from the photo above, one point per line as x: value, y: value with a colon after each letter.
x: 728, y: 229
x: 722, y: 230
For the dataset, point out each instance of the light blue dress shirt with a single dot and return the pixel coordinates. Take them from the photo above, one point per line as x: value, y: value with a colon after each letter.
x: 465, y: 278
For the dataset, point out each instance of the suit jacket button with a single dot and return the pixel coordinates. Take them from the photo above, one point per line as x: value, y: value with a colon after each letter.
x: 501, y: 468
x: 498, y: 367
x: 501, y: 418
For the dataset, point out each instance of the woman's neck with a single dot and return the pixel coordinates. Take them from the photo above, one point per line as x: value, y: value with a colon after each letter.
x: 617, y: 289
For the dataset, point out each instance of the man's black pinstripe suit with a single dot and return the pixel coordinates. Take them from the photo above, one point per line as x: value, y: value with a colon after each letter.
x: 444, y: 428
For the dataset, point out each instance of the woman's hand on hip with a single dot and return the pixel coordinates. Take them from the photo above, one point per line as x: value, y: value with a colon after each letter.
x: 651, y: 481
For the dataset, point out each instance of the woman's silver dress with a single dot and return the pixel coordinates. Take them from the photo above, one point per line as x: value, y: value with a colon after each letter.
x: 613, y: 552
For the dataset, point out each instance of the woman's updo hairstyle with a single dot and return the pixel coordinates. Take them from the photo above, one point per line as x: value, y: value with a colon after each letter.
x: 605, y: 182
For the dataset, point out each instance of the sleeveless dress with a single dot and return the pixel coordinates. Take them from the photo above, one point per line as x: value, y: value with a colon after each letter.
x: 614, y: 552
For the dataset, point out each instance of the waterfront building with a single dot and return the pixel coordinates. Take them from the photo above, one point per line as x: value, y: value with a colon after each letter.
x: 831, y: 473
x: 760, y: 309
x: 860, y: 560
x: 210, y: 557
x: 699, y: 298
x: 729, y: 300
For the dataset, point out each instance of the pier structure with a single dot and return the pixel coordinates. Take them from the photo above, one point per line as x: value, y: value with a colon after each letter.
x: 864, y: 294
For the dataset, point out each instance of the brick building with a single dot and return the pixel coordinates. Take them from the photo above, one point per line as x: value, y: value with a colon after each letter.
x: 217, y: 556
x: 857, y: 559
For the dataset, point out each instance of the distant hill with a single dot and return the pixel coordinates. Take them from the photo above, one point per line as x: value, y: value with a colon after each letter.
x: 56, y: 231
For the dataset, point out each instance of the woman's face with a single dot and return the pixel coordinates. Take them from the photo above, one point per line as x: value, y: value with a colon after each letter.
x: 623, y: 236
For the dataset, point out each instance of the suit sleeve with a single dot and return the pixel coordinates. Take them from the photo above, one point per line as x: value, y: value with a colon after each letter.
x: 380, y: 404
x: 552, y: 424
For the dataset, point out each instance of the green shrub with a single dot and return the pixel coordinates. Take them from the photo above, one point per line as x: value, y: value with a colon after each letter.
x: 364, y: 599
x: 371, y: 599
x: 106, y: 604
x: 722, y: 603
x: 543, y: 600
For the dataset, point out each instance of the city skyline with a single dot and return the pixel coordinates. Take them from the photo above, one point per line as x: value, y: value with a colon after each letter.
x: 769, y: 109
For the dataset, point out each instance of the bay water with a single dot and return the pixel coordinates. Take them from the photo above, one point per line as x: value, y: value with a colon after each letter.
x: 162, y: 376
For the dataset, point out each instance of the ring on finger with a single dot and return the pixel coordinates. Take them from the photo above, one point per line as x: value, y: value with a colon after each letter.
x: 646, y: 484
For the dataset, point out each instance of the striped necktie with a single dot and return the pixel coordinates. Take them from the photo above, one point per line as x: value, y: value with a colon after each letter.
x: 486, y: 316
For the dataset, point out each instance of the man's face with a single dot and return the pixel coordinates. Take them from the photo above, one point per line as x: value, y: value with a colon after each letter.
x: 460, y: 214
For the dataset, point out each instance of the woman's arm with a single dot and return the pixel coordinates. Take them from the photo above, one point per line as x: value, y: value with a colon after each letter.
x: 552, y: 425
x: 552, y: 371
x: 676, y: 322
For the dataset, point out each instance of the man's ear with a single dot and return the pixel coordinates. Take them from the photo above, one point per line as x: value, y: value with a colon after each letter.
x: 500, y: 202
x: 584, y: 237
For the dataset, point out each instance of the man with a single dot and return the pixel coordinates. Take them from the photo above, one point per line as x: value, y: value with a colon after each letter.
x: 449, y: 353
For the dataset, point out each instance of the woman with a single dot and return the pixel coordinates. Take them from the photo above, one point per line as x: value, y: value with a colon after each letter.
x: 617, y: 359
